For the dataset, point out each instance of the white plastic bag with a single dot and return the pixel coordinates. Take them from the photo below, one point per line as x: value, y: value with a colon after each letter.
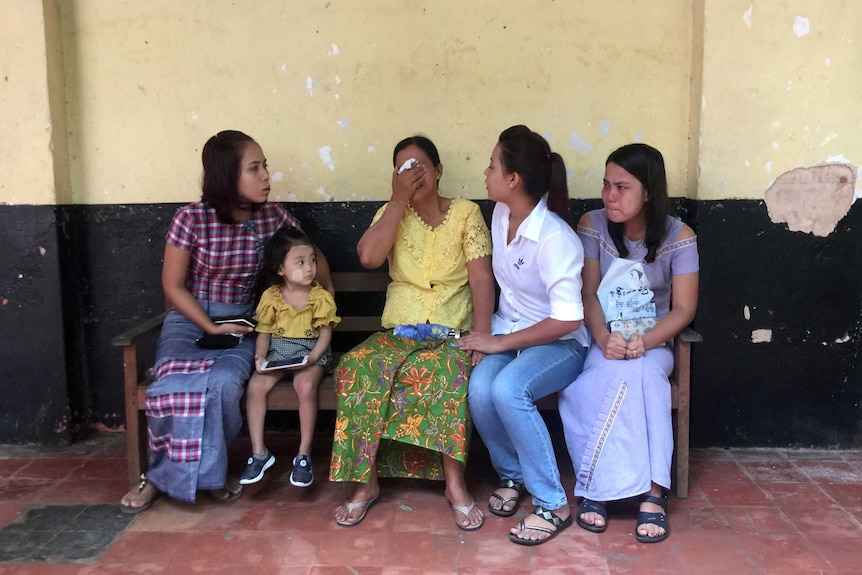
x: 626, y: 298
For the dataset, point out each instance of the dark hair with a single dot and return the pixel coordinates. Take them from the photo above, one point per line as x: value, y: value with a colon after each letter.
x: 222, y: 158
x: 527, y: 153
x: 275, y: 250
x: 423, y: 144
x: 647, y: 165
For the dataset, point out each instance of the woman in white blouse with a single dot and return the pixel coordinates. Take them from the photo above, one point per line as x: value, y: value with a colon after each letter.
x: 539, y: 341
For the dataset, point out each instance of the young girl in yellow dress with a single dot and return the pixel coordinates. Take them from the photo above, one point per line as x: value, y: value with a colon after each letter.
x: 295, y: 319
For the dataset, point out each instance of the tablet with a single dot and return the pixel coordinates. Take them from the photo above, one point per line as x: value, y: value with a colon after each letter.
x: 284, y: 363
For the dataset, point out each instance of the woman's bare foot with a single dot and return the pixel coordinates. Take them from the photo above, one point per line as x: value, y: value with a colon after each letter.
x: 534, y: 529
x: 229, y: 493
x: 140, y: 498
x: 652, y: 530
x: 461, y: 501
x: 352, y: 511
x: 505, y: 500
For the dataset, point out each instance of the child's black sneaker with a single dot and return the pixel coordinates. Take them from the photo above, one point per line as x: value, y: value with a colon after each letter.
x: 302, y: 475
x: 256, y: 467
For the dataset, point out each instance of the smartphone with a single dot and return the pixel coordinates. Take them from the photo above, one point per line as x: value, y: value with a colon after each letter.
x: 218, y: 341
x: 284, y: 363
x: 247, y: 321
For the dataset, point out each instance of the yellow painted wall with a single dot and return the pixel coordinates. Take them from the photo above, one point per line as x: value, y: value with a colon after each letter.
x: 782, y: 88
x: 26, y: 156
x: 329, y: 87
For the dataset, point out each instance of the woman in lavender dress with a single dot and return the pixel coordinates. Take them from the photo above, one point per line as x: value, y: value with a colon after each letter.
x: 616, y: 414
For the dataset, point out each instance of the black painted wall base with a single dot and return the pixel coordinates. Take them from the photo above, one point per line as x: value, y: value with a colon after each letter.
x: 99, y: 275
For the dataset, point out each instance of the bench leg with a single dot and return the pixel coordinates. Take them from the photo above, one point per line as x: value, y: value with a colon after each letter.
x: 683, y: 417
x: 135, y: 421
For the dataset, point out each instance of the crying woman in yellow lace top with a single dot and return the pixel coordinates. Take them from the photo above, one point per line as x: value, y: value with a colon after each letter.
x: 402, y: 403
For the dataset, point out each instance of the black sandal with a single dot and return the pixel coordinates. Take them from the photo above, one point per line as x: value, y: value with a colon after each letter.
x: 550, y: 517
x: 129, y: 509
x: 507, y: 484
x: 653, y: 518
x: 597, y: 507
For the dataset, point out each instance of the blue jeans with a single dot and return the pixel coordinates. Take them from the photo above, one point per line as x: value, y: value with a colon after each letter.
x: 502, y: 391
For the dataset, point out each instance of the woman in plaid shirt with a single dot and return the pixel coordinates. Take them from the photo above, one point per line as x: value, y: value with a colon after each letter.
x: 211, y: 263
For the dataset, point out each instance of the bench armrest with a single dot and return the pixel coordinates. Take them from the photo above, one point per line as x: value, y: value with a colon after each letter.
x: 690, y: 335
x: 131, y: 335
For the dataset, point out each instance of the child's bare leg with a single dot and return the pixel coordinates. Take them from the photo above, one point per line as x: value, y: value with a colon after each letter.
x: 259, y: 387
x: 306, y: 383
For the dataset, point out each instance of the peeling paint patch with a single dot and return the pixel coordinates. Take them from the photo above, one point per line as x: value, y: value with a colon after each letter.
x: 371, y: 149
x: 746, y: 16
x: 309, y: 85
x: 579, y: 144
x: 604, y: 128
x: 828, y: 139
x: 333, y: 51
x: 761, y: 336
x: 812, y: 199
x: 321, y: 191
x: 42, y: 251
x: 844, y: 339
x: 746, y: 313
x: 326, y: 157
x: 768, y: 167
x: 639, y: 137
x: 827, y: 61
x: 344, y: 122
x: 592, y: 173
x: 801, y: 26
x: 277, y: 177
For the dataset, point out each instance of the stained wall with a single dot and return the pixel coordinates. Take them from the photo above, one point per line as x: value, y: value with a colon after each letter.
x: 103, y: 112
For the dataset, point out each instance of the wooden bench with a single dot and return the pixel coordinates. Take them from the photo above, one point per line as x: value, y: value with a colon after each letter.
x: 137, y: 374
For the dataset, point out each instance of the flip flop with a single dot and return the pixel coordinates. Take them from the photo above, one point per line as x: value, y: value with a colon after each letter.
x: 647, y: 517
x: 351, y: 506
x: 131, y: 510
x: 507, y: 484
x: 597, y: 507
x: 231, y: 491
x: 548, y: 516
x: 466, y: 511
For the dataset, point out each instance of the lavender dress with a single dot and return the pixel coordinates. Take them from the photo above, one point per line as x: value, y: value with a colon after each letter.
x: 616, y: 414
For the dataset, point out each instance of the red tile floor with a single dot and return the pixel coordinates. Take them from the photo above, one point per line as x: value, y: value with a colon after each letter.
x: 773, y: 511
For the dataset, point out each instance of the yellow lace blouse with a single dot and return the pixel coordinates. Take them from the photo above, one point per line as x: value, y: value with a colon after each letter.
x: 429, y: 267
x: 279, y: 318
